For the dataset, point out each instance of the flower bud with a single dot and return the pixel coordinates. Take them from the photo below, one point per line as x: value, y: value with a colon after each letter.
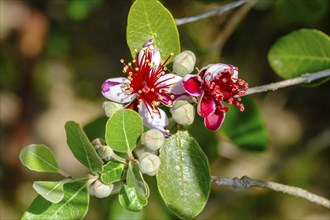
x: 153, y: 139
x: 184, y: 63
x: 149, y: 163
x: 110, y: 108
x: 105, y: 152
x: 100, y: 190
x: 98, y: 142
x: 183, y: 112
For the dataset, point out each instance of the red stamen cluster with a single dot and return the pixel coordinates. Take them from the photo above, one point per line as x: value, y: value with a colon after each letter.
x: 224, y: 88
x: 147, y: 83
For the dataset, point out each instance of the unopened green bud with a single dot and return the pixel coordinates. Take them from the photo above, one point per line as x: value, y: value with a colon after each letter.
x: 105, y: 152
x: 100, y: 190
x: 153, y: 139
x: 183, y: 112
x: 149, y: 163
x: 184, y: 63
x: 110, y: 108
x: 98, y: 142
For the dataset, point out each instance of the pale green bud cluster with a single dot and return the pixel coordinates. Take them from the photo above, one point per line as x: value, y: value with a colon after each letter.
x: 153, y: 139
x: 184, y: 63
x: 100, y: 190
x: 183, y: 112
x: 149, y: 163
x: 105, y: 152
x: 110, y: 108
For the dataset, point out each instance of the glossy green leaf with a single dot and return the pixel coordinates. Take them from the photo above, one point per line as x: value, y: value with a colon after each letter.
x: 119, y: 212
x: 302, y: 51
x: 246, y: 129
x: 129, y: 198
x: 149, y: 19
x: 81, y: 147
x: 112, y: 172
x: 38, y: 157
x: 74, y: 204
x: 303, y: 10
x: 50, y: 190
x: 184, y: 177
x: 123, y: 130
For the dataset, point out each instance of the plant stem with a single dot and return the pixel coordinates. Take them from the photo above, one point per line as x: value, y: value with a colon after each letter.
x: 247, y: 182
x: 306, y: 78
x: 217, y: 11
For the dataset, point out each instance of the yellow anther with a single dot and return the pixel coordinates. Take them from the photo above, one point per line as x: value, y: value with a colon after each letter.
x: 138, y: 106
x: 171, y: 54
x: 129, y: 64
x: 122, y: 60
x: 140, y: 91
x: 172, y: 96
x: 152, y: 89
x: 136, y: 68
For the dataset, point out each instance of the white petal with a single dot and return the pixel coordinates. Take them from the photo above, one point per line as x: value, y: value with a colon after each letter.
x: 215, y: 70
x: 175, y: 81
x: 155, y: 56
x: 155, y: 121
x: 114, y: 89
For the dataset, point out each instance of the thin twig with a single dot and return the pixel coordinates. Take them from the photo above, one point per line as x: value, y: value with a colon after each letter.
x: 217, y: 11
x: 247, y: 182
x: 306, y: 78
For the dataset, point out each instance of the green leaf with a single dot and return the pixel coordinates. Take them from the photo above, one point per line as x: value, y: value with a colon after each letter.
x: 81, y: 147
x: 303, y: 10
x: 39, y: 157
x: 118, y: 212
x: 123, y: 130
x: 302, y: 51
x: 74, y: 205
x: 184, y: 177
x: 129, y: 199
x: 149, y: 19
x: 112, y: 172
x: 246, y: 129
x: 135, y: 179
x: 50, y: 190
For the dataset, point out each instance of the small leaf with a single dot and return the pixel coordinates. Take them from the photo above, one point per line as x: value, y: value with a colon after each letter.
x: 50, y: 190
x: 129, y: 199
x: 135, y: 179
x: 246, y: 129
x: 74, y: 204
x: 123, y: 130
x: 81, y: 147
x: 184, y: 178
x: 39, y: 157
x: 112, y: 172
x: 149, y: 19
x: 302, y: 51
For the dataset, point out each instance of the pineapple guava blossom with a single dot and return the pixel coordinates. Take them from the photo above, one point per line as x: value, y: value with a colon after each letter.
x: 213, y: 85
x: 149, y: 83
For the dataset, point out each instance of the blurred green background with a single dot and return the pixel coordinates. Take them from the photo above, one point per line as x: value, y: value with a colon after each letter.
x: 55, y: 54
